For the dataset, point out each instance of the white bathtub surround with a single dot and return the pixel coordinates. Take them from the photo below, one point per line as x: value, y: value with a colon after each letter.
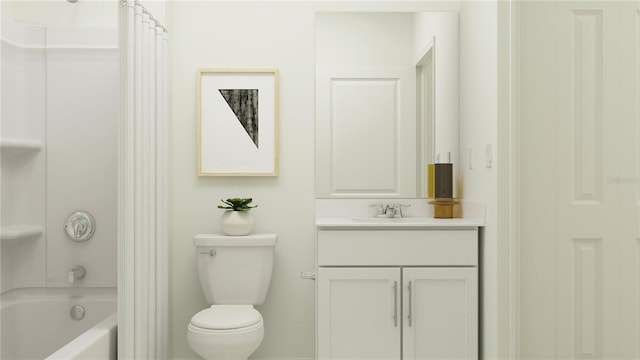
x: 36, y: 323
x: 99, y: 342
x: 23, y: 173
x: 142, y: 206
x: 58, y: 142
x: 81, y: 152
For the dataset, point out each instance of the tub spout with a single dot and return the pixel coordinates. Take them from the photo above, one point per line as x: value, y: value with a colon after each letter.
x: 76, y: 273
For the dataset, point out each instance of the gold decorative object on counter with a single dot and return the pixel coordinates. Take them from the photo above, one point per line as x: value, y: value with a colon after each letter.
x: 443, y: 208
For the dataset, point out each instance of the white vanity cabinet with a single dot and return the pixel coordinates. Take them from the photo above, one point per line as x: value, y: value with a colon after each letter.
x: 397, y: 294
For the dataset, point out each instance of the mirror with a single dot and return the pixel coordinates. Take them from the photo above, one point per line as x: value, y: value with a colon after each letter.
x: 386, y: 101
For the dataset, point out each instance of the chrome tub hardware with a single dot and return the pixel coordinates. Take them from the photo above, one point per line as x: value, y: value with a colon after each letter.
x: 76, y: 273
x: 77, y: 312
x: 80, y: 226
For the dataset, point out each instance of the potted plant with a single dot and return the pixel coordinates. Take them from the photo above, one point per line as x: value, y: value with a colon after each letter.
x: 237, y: 219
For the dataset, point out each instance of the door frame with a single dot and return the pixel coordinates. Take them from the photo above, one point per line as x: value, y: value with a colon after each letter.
x: 506, y: 335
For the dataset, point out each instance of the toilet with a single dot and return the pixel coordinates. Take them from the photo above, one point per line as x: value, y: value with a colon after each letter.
x: 235, y: 274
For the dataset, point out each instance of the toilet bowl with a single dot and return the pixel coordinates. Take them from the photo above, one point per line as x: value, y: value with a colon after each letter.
x: 235, y: 274
x: 226, y: 332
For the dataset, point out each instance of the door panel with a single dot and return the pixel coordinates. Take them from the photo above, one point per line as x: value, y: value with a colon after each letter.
x: 579, y: 171
x: 440, y: 312
x: 366, y: 131
x: 356, y: 308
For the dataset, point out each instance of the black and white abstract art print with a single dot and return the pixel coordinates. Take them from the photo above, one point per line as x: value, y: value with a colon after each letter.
x: 244, y: 104
x: 237, y: 122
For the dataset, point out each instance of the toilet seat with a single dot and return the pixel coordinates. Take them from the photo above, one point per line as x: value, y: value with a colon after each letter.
x: 226, y: 317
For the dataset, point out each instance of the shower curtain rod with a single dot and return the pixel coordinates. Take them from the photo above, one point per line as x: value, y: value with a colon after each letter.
x: 145, y: 11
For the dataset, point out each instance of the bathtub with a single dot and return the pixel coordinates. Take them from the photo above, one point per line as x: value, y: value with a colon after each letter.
x: 37, y: 323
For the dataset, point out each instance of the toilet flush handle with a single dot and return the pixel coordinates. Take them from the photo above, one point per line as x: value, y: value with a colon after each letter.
x: 211, y: 252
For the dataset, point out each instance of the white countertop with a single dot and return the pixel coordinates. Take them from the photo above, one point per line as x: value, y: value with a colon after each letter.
x: 417, y: 214
x: 394, y: 223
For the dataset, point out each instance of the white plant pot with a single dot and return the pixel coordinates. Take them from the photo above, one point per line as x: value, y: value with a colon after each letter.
x: 237, y: 223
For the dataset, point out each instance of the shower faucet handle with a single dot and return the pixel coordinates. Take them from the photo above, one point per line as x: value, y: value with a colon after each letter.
x: 80, y: 226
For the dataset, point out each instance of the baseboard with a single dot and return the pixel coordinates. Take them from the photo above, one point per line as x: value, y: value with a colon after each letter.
x: 254, y: 359
x: 282, y: 359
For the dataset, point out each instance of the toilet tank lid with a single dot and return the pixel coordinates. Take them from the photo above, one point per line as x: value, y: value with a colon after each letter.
x: 226, y: 317
x: 224, y: 240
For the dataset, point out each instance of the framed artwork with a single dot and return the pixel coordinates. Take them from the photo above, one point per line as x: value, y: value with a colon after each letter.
x: 237, y: 122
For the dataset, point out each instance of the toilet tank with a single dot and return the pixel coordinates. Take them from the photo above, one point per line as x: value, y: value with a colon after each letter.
x: 235, y: 269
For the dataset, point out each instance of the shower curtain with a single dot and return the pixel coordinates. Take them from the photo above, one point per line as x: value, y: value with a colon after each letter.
x: 142, y: 188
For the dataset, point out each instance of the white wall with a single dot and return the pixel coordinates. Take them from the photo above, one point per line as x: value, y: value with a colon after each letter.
x: 252, y: 35
x: 247, y: 35
x: 478, y: 128
x: 364, y: 39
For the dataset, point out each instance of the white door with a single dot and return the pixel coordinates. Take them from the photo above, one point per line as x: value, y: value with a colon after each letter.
x: 440, y: 313
x: 579, y: 173
x: 359, y: 313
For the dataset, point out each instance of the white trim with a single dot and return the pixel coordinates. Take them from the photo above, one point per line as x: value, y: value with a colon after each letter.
x: 311, y: 358
x: 514, y: 336
x: 162, y: 206
x: 514, y: 167
x: 1, y: 187
x: 508, y: 182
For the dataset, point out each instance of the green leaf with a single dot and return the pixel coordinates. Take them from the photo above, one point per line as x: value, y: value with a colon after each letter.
x: 237, y: 204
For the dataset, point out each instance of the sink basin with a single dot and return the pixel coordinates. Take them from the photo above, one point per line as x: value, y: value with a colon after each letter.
x: 383, y: 220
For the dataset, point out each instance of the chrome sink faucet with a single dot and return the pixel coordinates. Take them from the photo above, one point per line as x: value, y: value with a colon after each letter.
x: 395, y: 210
x: 389, y: 210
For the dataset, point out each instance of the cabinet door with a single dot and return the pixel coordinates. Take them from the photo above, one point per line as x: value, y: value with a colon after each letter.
x: 440, y: 317
x: 359, y: 313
